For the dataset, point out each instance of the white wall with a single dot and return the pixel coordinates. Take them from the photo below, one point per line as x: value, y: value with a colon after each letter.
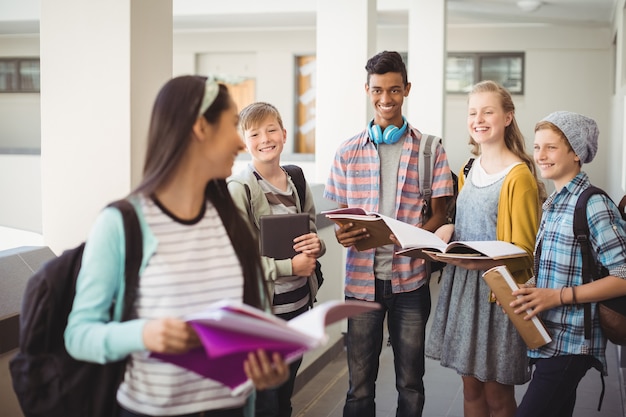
x: 20, y: 124
x: 20, y: 131
x: 20, y: 192
x: 566, y: 68
x: 617, y: 152
x: 115, y: 57
x: 271, y: 54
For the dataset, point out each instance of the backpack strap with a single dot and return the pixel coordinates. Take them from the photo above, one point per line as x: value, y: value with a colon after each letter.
x: 581, y: 233
x: 297, y: 176
x: 134, y: 254
x: 425, y: 166
x: 467, y: 167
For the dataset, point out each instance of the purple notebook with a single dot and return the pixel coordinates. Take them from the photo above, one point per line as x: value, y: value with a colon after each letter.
x: 230, y: 330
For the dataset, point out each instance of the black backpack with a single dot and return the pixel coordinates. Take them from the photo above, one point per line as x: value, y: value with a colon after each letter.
x: 46, y: 379
x: 297, y: 176
x: 612, y: 312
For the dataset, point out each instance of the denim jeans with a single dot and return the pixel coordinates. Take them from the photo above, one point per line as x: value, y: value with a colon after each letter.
x: 552, y: 390
x: 276, y: 402
x: 407, y: 314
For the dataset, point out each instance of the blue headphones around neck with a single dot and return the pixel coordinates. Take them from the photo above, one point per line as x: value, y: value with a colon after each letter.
x: 392, y: 133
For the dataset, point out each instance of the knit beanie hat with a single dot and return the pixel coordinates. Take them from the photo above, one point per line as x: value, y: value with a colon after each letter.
x: 580, y: 131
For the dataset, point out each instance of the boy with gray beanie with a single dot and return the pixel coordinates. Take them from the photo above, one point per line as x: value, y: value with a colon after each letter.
x: 563, y: 142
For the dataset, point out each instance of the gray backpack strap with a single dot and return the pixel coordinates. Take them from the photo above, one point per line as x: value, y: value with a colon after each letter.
x: 425, y: 165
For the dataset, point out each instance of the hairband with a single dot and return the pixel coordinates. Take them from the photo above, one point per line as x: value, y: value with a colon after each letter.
x: 211, y: 88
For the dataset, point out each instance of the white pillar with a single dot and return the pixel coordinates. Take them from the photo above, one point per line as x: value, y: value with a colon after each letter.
x: 346, y: 38
x: 426, y: 66
x: 102, y: 64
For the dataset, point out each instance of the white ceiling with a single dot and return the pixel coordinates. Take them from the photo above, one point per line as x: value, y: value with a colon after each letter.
x: 558, y: 12
x: 590, y: 13
x: 22, y: 16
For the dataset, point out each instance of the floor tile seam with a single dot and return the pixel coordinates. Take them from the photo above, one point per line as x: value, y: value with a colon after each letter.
x: 328, y: 386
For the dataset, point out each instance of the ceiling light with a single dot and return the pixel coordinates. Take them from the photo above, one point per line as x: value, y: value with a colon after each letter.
x: 529, y: 5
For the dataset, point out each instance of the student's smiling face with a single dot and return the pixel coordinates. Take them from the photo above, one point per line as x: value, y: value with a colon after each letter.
x: 486, y: 119
x: 386, y: 93
x: 266, y: 140
x: 554, y: 157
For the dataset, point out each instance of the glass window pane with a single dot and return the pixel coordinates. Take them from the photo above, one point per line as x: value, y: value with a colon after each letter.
x: 505, y: 70
x: 29, y: 75
x: 459, y: 74
x: 305, y: 110
x: 8, y: 75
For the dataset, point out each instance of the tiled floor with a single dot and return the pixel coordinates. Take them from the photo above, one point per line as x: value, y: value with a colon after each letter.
x: 324, y: 395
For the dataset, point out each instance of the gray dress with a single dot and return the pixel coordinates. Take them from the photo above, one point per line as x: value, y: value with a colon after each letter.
x: 470, y: 334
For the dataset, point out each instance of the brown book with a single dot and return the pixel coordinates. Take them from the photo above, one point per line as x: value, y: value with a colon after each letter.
x: 502, y: 285
x: 378, y: 226
x: 278, y: 232
x: 417, y: 242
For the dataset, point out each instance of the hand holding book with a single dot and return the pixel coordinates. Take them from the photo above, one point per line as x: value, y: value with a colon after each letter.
x: 415, y: 240
x: 378, y: 227
x: 431, y: 245
x: 229, y: 331
x: 502, y: 285
x: 475, y: 263
x: 277, y: 234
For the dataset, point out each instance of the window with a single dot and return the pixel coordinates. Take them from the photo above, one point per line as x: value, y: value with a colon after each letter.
x: 459, y: 74
x: 305, y: 106
x: 19, y: 75
x: 463, y: 70
x: 242, y: 92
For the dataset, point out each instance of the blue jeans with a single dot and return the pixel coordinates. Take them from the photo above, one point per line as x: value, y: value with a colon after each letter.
x: 552, y: 390
x: 276, y: 402
x: 407, y: 314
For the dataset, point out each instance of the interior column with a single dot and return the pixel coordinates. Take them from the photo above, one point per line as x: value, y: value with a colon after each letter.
x: 102, y: 64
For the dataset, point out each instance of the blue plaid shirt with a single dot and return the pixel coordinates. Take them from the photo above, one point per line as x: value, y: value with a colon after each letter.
x: 560, y: 264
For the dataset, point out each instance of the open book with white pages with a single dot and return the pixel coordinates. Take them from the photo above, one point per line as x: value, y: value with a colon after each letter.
x: 475, y: 249
x: 230, y: 330
x: 417, y: 242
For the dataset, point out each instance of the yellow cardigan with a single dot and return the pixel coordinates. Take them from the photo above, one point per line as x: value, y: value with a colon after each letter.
x: 518, y: 217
